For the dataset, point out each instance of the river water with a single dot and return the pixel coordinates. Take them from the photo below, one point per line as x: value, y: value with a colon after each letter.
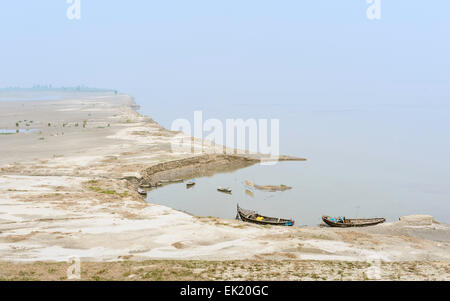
x: 363, y: 161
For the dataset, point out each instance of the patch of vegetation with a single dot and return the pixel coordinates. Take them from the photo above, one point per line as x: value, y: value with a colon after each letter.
x: 109, y: 192
x: 94, y: 188
x: 101, y: 190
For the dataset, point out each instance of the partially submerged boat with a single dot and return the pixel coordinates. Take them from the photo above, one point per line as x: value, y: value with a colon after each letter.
x: 267, y: 187
x: 224, y: 190
x: 249, y: 193
x: 253, y: 217
x: 343, y: 222
x: 171, y: 181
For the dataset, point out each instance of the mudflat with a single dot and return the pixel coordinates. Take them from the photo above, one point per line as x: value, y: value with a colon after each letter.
x: 69, y: 188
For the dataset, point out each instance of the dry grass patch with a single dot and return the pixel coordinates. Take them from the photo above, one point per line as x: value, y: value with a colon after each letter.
x: 153, y: 270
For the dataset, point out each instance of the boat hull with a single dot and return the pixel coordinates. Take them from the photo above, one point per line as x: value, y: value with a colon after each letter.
x: 350, y: 223
x: 142, y: 192
x: 251, y: 217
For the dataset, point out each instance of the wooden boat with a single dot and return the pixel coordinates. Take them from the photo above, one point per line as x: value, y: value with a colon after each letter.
x: 171, y: 181
x: 254, y: 217
x: 190, y: 184
x: 142, y: 191
x: 355, y: 222
x: 271, y: 188
x: 224, y: 190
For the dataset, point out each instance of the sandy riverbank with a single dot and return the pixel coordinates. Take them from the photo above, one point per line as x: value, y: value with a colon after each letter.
x: 64, y: 192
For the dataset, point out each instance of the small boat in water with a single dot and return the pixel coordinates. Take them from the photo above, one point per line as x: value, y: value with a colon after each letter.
x: 190, y: 184
x: 343, y: 222
x: 224, y: 190
x: 142, y: 191
x: 254, y: 217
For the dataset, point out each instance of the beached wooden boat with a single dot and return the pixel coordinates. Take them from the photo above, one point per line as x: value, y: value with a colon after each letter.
x: 352, y: 222
x: 224, y: 190
x: 254, y: 217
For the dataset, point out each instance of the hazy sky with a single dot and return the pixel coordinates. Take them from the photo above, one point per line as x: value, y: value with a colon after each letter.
x: 252, y: 51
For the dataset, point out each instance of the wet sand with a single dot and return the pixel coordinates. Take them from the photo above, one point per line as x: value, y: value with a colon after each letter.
x: 68, y: 190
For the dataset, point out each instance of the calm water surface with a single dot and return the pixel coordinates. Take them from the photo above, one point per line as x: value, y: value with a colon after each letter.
x: 363, y: 161
x: 312, y: 196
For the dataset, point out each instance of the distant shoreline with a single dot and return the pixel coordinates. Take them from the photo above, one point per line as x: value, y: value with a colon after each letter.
x: 56, y: 89
x: 51, y: 94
